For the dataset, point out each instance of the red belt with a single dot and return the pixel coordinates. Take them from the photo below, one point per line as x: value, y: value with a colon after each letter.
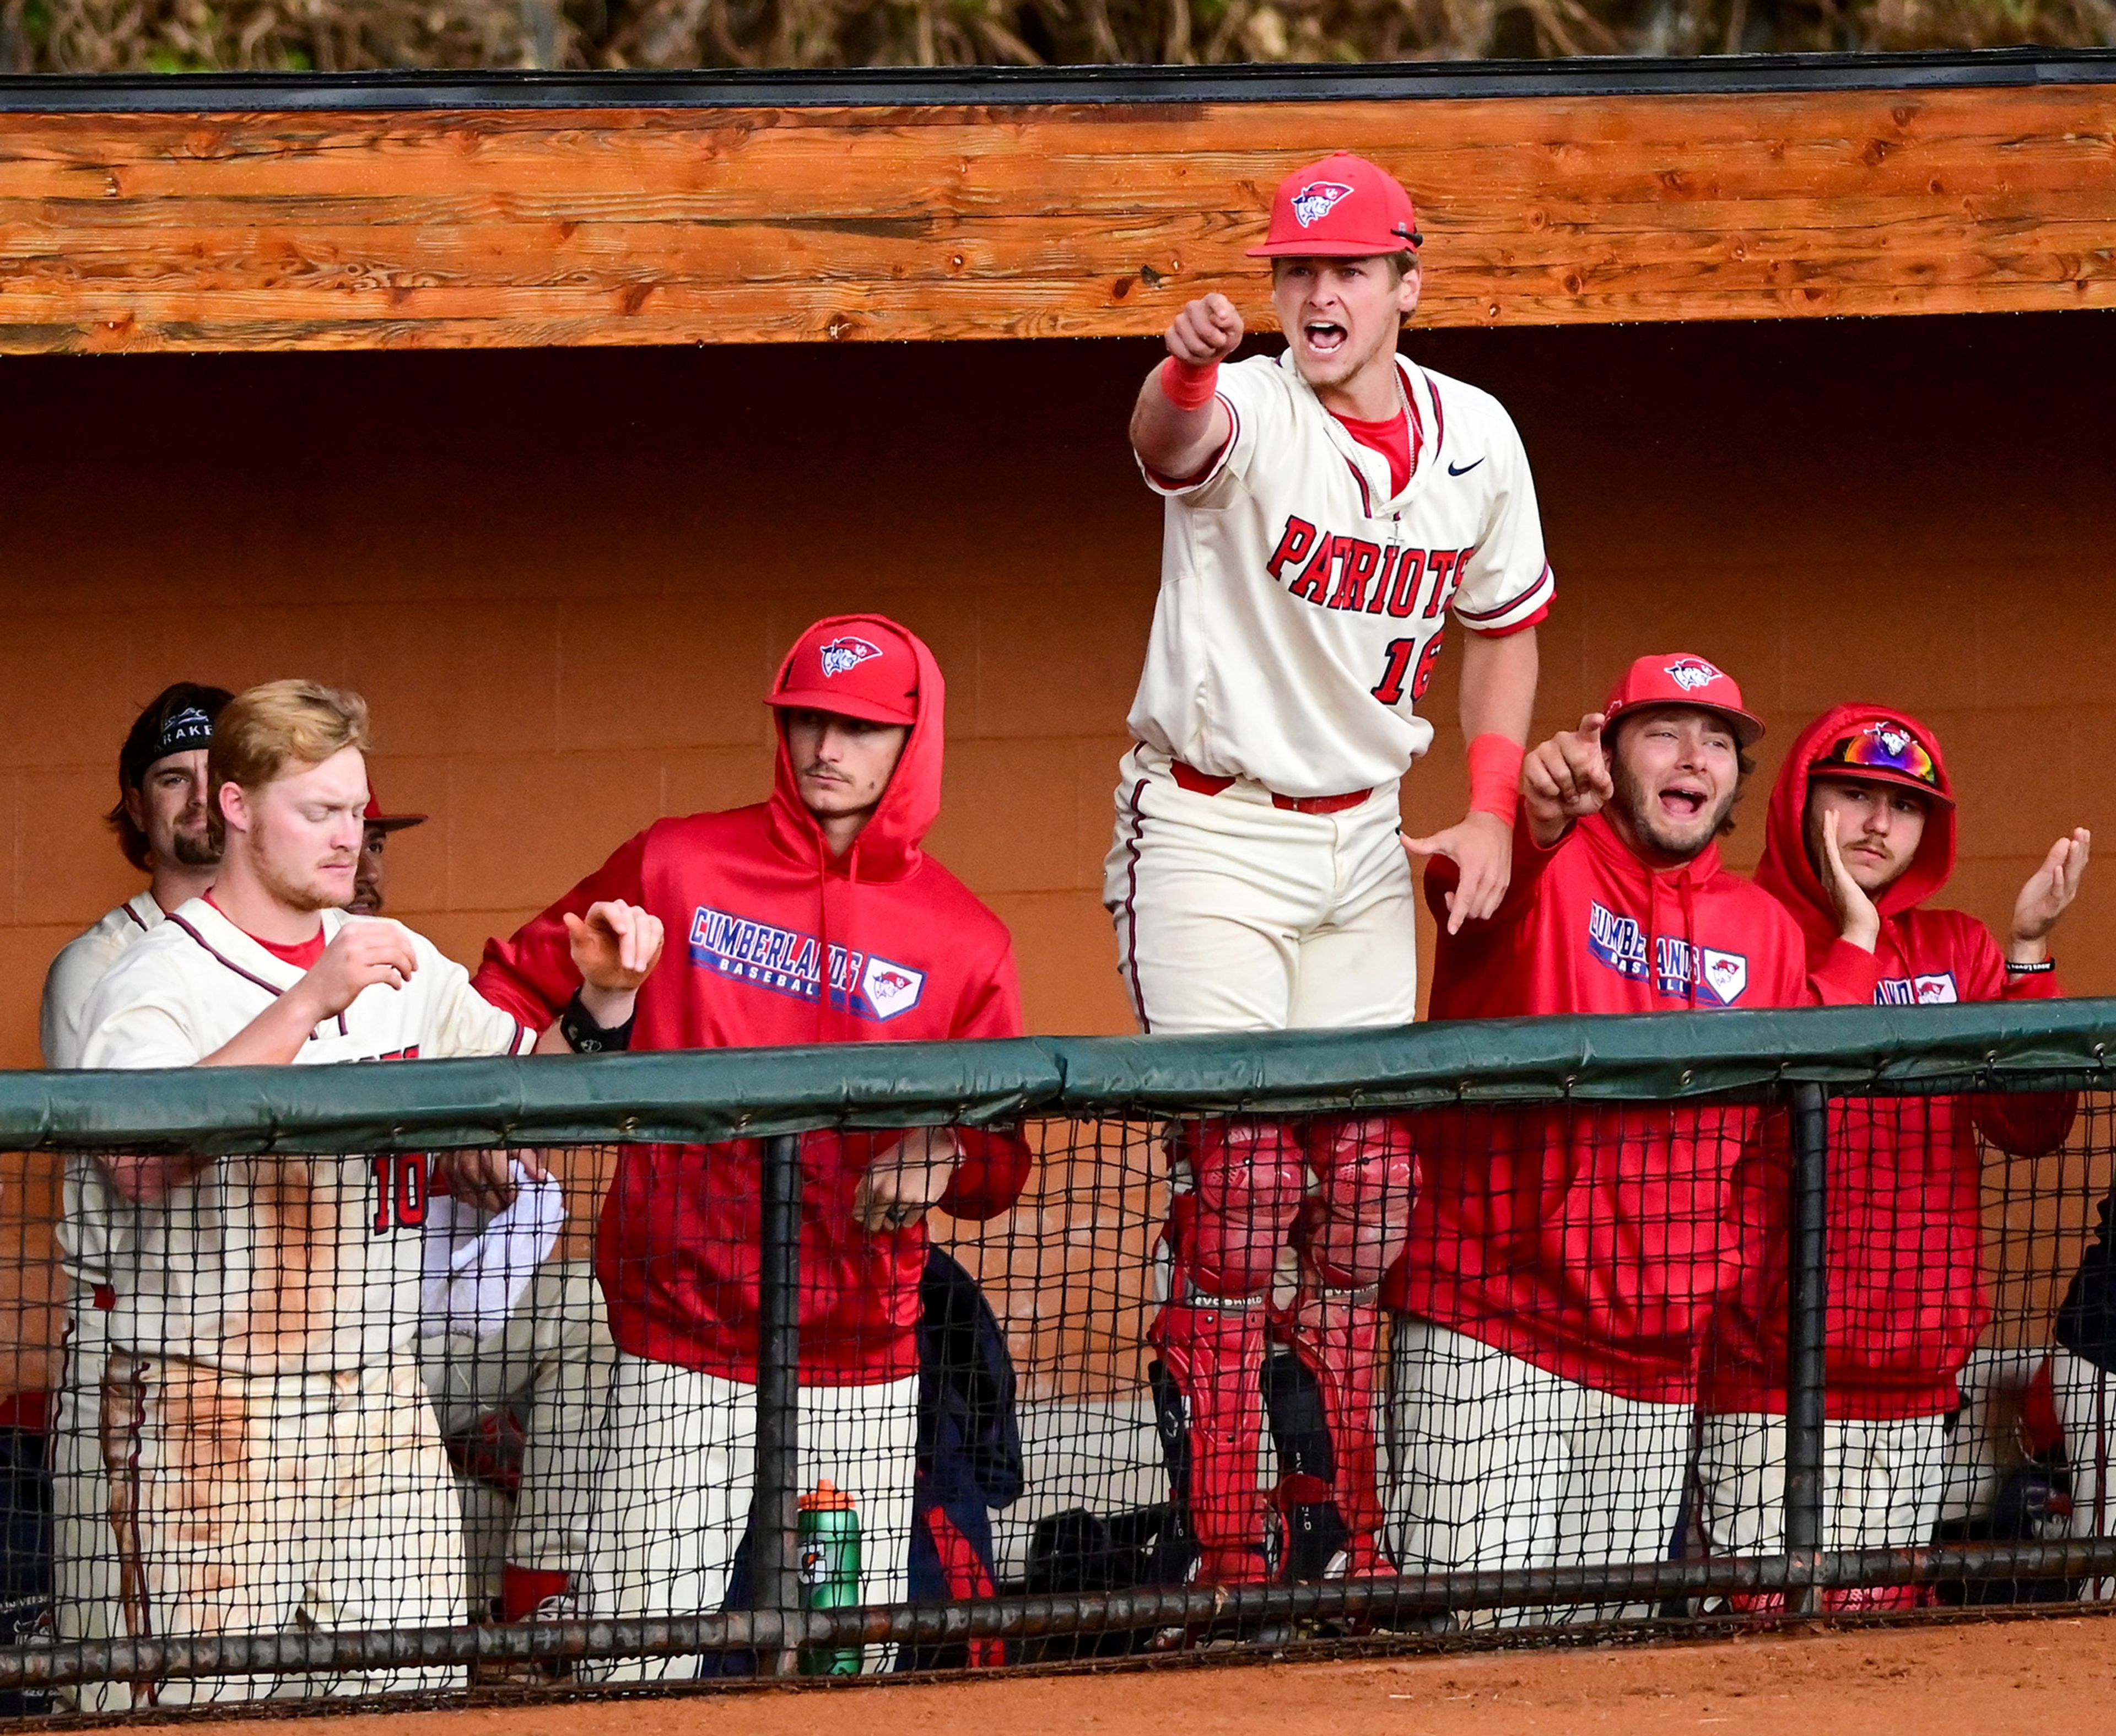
x: 1203, y: 783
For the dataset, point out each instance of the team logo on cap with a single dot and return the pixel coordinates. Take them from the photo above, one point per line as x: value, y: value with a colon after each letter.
x: 1316, y: 200
x: 1690, y: 674
x: 842, y: 656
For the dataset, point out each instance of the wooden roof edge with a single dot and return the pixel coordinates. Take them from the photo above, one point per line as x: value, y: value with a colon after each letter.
x: 930, y: 87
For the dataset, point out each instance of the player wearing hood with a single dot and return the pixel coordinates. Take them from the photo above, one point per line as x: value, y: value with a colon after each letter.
x: 812, y: 917
x: 1563, y: 1261
x: 1906, y: 1298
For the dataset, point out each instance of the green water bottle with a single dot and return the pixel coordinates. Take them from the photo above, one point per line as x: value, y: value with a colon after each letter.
x: 830, y: 1560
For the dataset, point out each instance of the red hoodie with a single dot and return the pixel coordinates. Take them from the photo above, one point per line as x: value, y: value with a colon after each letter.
x: 753, y: 901
x: 1592, y: 1240
x: 1908, y: 1301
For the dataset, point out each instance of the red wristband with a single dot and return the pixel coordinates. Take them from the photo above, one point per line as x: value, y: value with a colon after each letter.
x: 1495, y: 770
x: 1188, y: 386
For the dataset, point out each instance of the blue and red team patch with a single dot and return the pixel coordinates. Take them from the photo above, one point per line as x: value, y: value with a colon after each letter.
x: 787, y: 962
x: 841, y: 656
x: 1705, y: 975
x: 1938, y: 989
x: 1316, y: 200
x: 1690, y: 674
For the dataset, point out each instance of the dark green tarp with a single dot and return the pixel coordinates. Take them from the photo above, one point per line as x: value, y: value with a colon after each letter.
x: 722, y: 1093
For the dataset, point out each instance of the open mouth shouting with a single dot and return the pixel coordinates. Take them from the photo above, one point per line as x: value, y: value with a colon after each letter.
x: 1325, y: 337
x: 1683, y: 803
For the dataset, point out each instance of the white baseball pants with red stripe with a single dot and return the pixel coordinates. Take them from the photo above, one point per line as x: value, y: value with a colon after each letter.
x: 87, y: 1600
x: 1233, y: 914
x: 271, y: 1504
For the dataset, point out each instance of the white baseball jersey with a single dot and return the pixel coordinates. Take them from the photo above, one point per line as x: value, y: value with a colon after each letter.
x: 273, y: 1265
x: 83, y: 1231
x: 1302, y: 602
x: 80, y: 966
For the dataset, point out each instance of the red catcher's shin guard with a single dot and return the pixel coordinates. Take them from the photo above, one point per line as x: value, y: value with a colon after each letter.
x: 1224, y: 1234
x: 1246, y: 1180
x: 1214, y: 1356
x: 1355, y: 1223
x: 1336, y: 1335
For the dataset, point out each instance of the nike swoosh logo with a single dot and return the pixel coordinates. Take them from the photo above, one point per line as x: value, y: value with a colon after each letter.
x: 1463, y: 470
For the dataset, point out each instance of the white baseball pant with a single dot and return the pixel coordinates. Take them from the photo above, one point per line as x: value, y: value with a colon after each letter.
x: 2086, y: 1407
x: 674, y: 1494
x: 555, y: 1354
x: 1494, y: 1462
x: 1882, y: 1482
x: 266, y: 1503
x: 87, y: 1603
x: 1235, y: 915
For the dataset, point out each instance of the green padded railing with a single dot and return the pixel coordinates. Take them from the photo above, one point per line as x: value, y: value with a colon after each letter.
x: 702, y: 1096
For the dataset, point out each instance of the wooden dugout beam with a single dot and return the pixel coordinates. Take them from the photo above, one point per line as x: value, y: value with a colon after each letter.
x: 379, y: 212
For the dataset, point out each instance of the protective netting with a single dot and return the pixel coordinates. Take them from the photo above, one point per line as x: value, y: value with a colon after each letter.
x: 299, y: 1426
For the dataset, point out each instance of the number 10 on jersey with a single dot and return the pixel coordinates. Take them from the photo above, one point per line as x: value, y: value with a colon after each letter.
x: 400, y: 1192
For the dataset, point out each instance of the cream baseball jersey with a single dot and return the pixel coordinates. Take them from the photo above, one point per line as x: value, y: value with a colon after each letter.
x: 83, y: 1230
x: 80, y: 966
x: 275, y: 1264
x: 1303, y: 604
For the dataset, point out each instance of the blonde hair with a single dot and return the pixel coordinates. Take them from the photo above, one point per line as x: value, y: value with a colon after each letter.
x: 265, y: 729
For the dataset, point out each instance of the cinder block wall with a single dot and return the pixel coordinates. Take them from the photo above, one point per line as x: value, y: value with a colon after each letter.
x: 563, y: 578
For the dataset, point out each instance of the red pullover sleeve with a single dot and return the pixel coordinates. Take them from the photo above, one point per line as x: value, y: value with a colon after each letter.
x: 994, y: 1162
x: 1846, y: 976
x: 2023, y: 1124
x: 530, y: 974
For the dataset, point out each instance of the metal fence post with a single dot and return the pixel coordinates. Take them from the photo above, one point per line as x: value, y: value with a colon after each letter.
x: 1804, y: 1370
x: 775, y: 1513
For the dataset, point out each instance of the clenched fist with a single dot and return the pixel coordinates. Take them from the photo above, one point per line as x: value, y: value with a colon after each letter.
x: 1207, y: 330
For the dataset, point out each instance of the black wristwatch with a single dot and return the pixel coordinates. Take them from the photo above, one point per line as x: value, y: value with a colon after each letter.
x: 583, y: 1036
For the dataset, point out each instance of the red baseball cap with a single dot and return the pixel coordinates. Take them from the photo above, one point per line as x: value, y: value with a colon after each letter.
x: 864, y: 670
x: 1343, y: 207
x: 1682, y: 678
x: 1884, y: 749
x: 383, y: 821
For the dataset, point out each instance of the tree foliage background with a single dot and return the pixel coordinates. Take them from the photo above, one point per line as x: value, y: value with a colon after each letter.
x: 187, y: 35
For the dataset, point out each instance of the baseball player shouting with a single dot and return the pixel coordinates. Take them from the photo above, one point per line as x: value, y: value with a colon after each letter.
x: 273, y: 1458
x: 1908, y: 1301
x: 1326, y: 512
x: 1563, y: 1262
x: 814, y: 916
x: 160, y: 820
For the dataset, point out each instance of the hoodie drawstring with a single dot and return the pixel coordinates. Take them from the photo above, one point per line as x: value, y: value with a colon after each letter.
x: 1693, y: 959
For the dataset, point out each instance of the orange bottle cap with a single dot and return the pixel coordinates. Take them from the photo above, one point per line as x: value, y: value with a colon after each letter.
x: 826, y: 1498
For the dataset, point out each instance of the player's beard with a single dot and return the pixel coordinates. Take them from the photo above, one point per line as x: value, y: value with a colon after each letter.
x: 1648, y: 824
x: 296, y: 894
x: 192, y: 846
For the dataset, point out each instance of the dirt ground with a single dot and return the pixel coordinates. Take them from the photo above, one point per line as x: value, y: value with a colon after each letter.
x: 2057, y: 1675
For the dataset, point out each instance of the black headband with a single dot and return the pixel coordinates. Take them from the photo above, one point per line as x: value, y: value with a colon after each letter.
x: 180, y: 721
x: 183, y: 731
